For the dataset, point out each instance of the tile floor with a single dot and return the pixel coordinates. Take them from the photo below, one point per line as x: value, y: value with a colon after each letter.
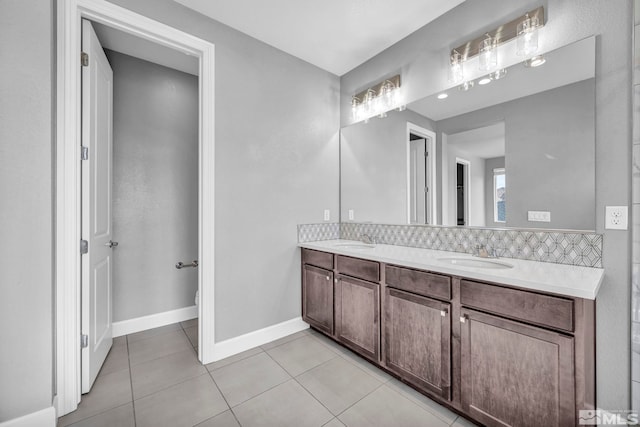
x: 153, y: 378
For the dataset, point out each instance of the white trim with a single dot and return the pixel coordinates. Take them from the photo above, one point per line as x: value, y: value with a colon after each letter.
x: 138, y: 324
x: 43, y: 418
x: 430, y: 136
x: 69, y: 15
x: 253, y: 339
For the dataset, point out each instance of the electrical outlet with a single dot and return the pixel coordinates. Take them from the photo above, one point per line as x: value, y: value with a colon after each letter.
x: 616, y: 218
x: 539, y: 216
x: 351, y: 215
x: 327, y: 214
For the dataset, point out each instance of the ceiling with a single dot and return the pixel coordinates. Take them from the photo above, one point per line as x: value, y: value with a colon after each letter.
x: 335, y: 35
x: 485, y: 143
x: 138, y: 47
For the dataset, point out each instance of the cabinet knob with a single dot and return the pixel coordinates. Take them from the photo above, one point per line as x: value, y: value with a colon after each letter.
x: 328, y: 278
x: 443, y: 313
x: 463, y: 319
x: 335, y: 280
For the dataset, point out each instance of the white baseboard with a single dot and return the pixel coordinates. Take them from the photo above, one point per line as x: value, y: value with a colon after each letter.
x: 253, y: 339
x: 151, y: 321
x: 43, y: 418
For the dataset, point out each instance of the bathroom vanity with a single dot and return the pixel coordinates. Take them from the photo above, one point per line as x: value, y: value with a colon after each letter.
x: 504, y: 342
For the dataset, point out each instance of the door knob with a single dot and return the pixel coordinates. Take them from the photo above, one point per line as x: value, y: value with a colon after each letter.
x: 111, y: 244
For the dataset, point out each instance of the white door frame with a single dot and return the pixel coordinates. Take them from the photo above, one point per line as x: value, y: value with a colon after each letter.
x: 430, y: 136
x: 68, y: 219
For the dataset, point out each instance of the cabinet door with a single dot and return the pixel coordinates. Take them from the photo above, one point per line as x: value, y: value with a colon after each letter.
x: 514, y: 374
x: 357, y: 307
x: 317, y: 298
x: 418, y: 340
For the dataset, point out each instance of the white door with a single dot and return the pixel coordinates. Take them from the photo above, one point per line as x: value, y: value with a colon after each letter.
x: 418, y: 181
x: 97, y: 104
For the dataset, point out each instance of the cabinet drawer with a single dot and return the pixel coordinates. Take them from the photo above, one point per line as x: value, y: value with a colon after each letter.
x: 531, y: 307
x: 419, y: 282
x: 360, y: 268
x: 317, y: 258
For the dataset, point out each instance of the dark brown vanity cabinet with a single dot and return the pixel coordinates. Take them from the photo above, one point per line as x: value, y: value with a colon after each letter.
x: 501, y: 355
x: 357, y: 305
x: 513, y: 374
x: 418, y: 341
x: 318, y: 290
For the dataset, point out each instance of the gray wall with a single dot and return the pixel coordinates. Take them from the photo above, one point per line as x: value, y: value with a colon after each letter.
x: 373, y: 157
x: 276, y: 130
x: 489, y: 166
x: 155, y: 187
x: 550, y: 154
x: 422, y: 57
x: 26, y: 214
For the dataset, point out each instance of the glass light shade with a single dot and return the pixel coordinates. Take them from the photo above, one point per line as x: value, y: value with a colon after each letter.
x: 456, y: 71
x: 488, y: 54
x: 355, y: 109
x: 527, y: 30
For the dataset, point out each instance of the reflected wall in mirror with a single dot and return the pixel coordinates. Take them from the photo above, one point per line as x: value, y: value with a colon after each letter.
x: 519, y: 152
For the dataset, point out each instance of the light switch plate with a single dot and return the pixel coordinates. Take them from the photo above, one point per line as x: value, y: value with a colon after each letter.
x: 539, y: 216
x: 351, y: 215
x: 616, y: 218
x: 327, y: 214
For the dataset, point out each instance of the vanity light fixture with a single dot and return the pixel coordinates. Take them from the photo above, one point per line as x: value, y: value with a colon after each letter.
x: 377, y: 100
x: 527, y: 43
x: 524, y: 29
x: 456, y: 70
x: 443, y: 96
x: 488, y: 53
x: 535, y: 61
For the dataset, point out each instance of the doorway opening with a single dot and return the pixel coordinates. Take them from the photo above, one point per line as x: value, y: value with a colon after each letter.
x: 462, y: 192
x: 421, y: 170
x: 68, y: 182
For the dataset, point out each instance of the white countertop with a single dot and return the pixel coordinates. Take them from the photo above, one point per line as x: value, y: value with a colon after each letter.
x: 568, y: 280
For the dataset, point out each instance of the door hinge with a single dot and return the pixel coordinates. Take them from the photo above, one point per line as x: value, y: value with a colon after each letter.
x: 84, y: 247
x: 84, y: 151
x: 84, y: 341
x: 84, y: 59
x: 426, y: 189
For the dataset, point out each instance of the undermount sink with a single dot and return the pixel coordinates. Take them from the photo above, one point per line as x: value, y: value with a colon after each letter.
x: 477, y: 263
x: 354, y: 246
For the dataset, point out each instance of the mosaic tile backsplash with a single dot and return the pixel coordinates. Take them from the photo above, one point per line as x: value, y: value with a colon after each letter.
x: 560, y: 247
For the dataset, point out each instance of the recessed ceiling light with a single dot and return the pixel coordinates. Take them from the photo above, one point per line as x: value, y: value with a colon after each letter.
x: 443, y: 96
x: 484, y: 81
x: 535, y: 61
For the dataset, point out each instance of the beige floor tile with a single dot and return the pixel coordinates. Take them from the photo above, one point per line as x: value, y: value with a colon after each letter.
x: 249, y: 377
x: 122, y: 416
x: 300, y: 355
x: 435, y: 408
x: 185, y: 404
x: 334, y: 423
x: 189, y: 323
x: 284, y: 340
x: 338, y: 384
x: 192, y: 334
x: 150, y: 333
x: 158, y: 374
x: 158, y: 346
x: 225, y: 419
x: 109, y: 391
x: 233, y: 359
x: 117, y: 359
x: 385, y: 407
x: 287, y: 405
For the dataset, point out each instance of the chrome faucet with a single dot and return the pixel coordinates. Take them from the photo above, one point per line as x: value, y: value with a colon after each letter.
x: 483, y: 251
x: 367, y: 239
